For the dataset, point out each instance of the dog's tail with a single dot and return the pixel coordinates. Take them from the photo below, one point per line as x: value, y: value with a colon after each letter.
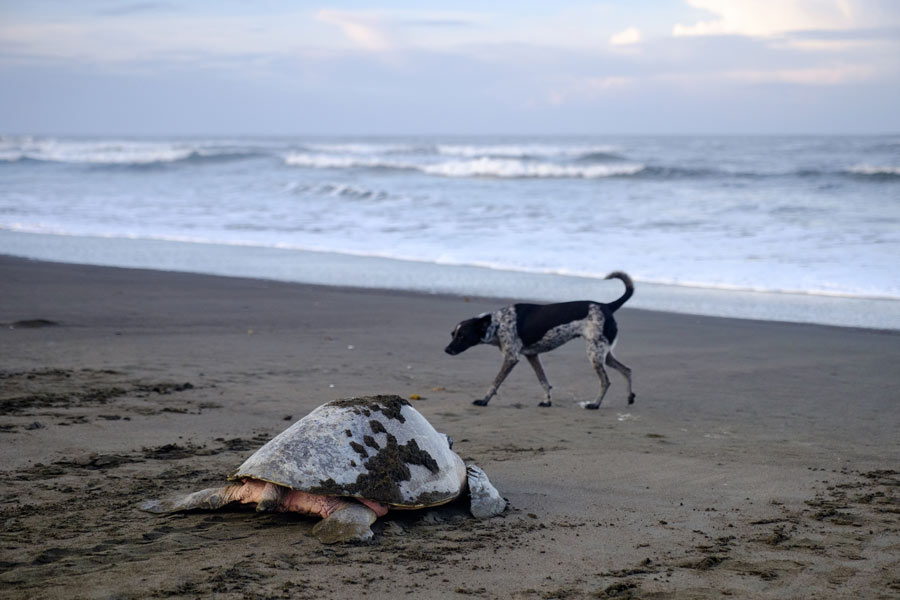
x: 629, y: 290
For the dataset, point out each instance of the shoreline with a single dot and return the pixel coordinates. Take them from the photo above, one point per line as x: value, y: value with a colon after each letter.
x: 496, y: 300
x: 759, y: 460
x: 367, y: 272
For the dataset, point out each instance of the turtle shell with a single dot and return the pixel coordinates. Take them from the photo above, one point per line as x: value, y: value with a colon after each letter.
x: 376, y: 447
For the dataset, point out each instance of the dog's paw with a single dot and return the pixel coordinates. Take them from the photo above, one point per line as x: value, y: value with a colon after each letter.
x: 481, y: 402
x: 545, y: 403
x: 630, y: 398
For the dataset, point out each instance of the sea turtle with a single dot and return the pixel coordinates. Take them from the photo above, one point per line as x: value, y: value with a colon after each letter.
x: 350, y: 461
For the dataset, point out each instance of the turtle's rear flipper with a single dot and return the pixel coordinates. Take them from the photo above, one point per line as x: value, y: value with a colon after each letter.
x: 348, y: 524
x: 486, y: 500
x: 208, y: 499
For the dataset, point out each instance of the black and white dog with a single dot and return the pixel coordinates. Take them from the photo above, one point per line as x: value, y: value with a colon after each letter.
x: 530, y: 329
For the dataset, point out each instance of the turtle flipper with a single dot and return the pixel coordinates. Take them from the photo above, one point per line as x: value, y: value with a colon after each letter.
x: 270, y: 498
x: 208, y: 499
x: 350, y: 523
x: 486, y: 501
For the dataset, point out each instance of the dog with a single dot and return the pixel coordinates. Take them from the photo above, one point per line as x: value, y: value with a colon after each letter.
x: 531, y: 329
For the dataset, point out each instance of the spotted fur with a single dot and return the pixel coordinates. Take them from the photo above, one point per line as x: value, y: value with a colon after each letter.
x: 531, y: 329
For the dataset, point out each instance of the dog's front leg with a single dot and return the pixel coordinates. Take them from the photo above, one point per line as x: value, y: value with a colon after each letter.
x: 509, y: 361
x: 597, y: 351
x: 535, y: 362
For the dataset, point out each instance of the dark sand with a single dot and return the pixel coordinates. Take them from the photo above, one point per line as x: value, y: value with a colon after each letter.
x: 761, y: 460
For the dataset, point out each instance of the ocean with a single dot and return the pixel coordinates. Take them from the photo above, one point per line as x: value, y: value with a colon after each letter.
x: 792, y: 228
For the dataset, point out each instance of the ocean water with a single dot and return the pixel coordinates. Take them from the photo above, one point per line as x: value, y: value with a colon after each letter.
x: 792, y: 228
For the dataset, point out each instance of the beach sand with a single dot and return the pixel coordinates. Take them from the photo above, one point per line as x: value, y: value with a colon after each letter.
x: 761, y: 460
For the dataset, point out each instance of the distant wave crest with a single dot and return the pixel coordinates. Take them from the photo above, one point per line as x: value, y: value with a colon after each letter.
x: 883, y: 172
x: 533, y: 151
x: 366, y: 149
x: 327, y: 161
x: 477, y: 167
x: 529, y: 151
x: 501, y: 158
x: 118, y: 153
x: 492, y: 167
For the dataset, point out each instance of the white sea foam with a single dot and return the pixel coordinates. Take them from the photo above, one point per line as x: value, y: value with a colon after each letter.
x: 874, y: 170
x: 523, y: 150
x: 112, y: 152
x: 107, y: 152
x: 493, y: 167
x: 364, y: 149
x: 479, y: 167
x: 327, y: 161
x: 461, y: 150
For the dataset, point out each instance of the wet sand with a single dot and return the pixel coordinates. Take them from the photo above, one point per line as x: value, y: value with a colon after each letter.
x: 761, y: 460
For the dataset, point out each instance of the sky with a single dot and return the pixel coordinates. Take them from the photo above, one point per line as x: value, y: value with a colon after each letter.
x: 267, y: 67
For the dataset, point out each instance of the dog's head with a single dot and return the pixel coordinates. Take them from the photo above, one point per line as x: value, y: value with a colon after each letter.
x: 468, y: 333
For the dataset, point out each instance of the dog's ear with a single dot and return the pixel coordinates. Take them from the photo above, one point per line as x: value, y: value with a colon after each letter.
x: 484, y: 321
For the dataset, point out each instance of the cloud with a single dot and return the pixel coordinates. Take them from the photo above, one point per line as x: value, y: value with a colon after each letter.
x: 363, y: 30
x: 761, y: 18
x: 810, y: 76
x: 865, y: 34
x: 587, y: 89
x: 834, y: 75
x: 627, y: 37
x: 840, y: 40
x: 178, y: 36
x: 562, y: 65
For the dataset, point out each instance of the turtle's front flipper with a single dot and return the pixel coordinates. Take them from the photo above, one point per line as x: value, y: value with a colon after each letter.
x: 350, y: 523
x: 208, y: 499
x: 486, y: 500
x: 270, y: 498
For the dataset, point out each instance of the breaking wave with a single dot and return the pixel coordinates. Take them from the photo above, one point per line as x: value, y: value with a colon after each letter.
x: 880, y: 172
x: 503, y: 168
x: 477, y: 167
x: 529, y: 151
x: 466, y: 151
x: 450, y: 158
x: 119, y: 153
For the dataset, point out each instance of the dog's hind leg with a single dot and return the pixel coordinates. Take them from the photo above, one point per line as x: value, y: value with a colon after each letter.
x: 597, y: 351
x: 508, y: 363
x: 535, y: 361
x: 612, y: 361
